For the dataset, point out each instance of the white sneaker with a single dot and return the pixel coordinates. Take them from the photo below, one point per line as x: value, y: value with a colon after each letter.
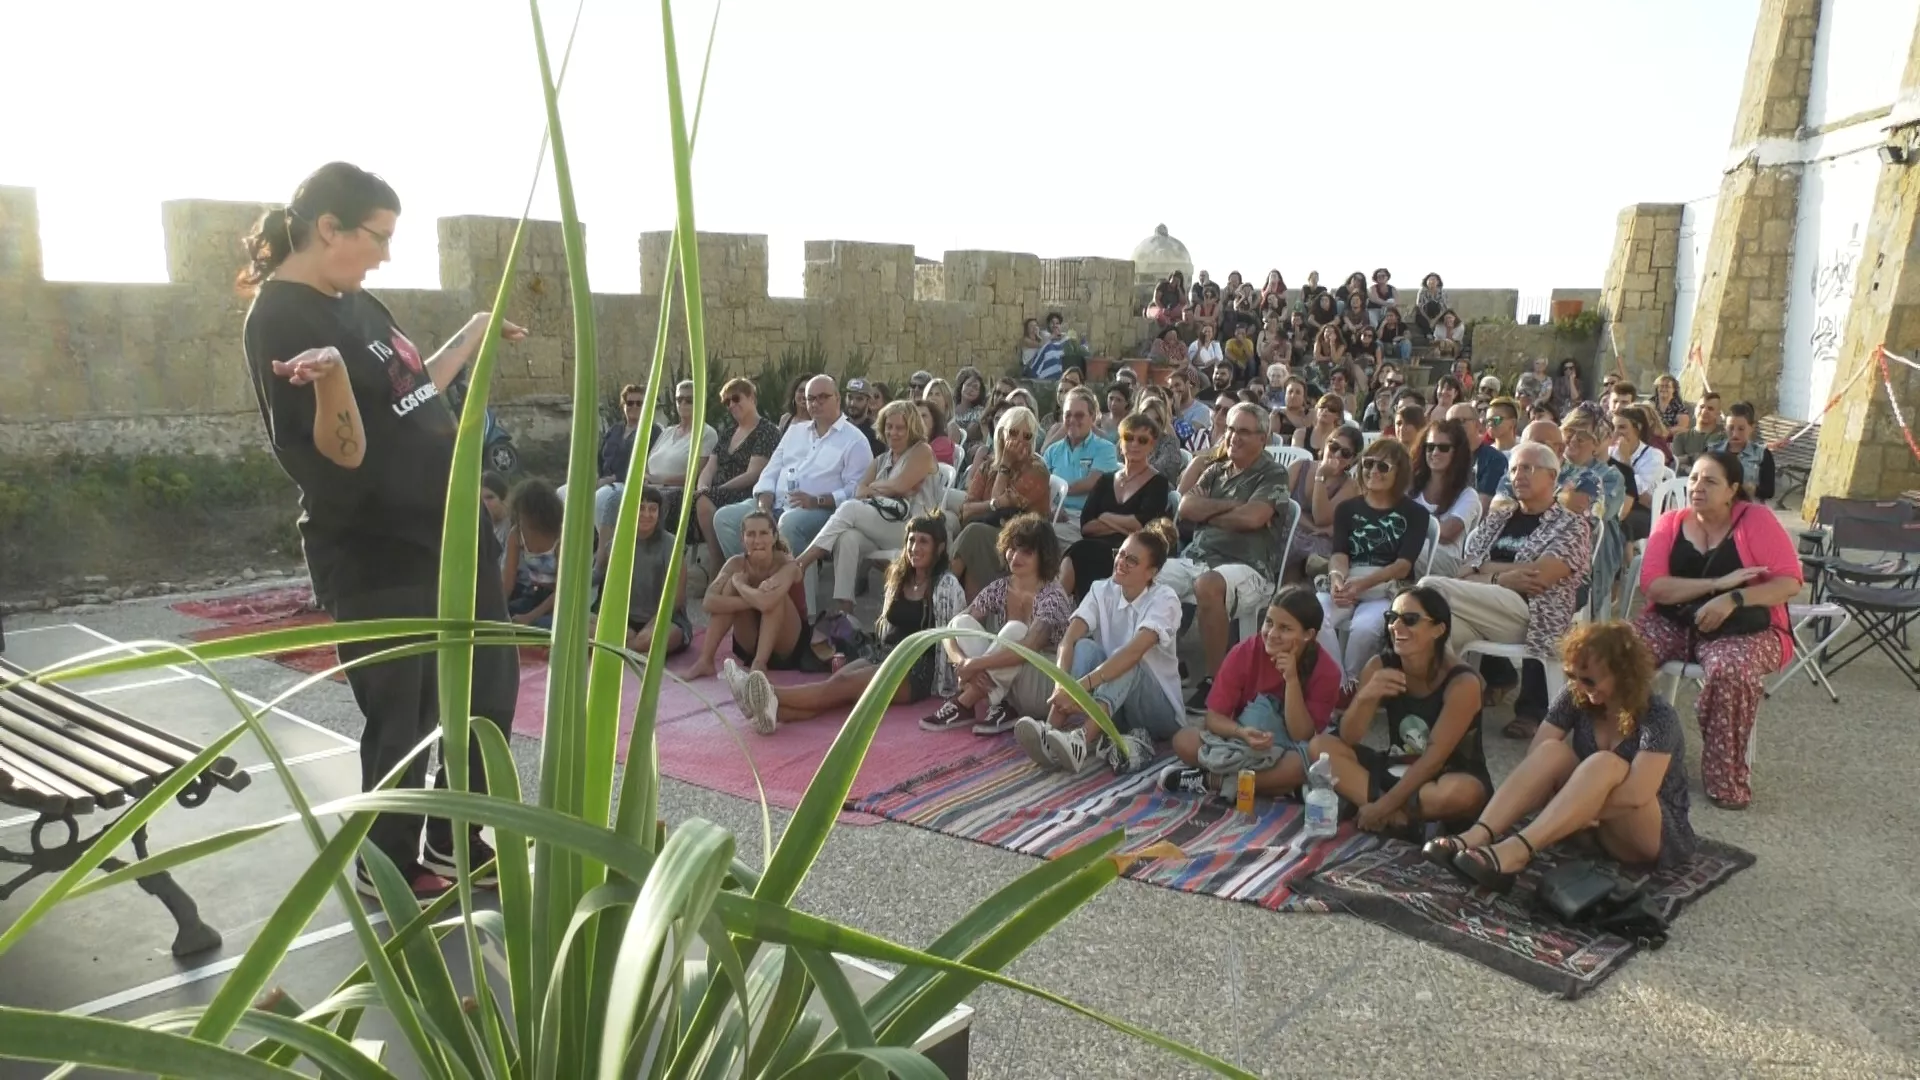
x: 1031, y: 734
x: 760, y: 703
x: 1129, y: 755
x: 1068, y: 749
x: 736, y: 679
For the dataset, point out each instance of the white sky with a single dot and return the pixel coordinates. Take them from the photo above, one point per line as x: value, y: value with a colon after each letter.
x: 1491, y: 140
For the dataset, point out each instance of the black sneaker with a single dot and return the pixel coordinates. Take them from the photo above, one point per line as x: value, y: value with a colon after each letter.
x: 479, y: 855
x: 949, y: 717
x: 427, y: 886
x: 1197, y: 701
x: 999, y: 720
x: 1185, y: 780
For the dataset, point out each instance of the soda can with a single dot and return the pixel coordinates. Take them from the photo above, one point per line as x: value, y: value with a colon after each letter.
x: 839, y: 661
x: 1244, y: 801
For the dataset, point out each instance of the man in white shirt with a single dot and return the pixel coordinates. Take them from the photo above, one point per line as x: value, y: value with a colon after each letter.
x: 816, y: 467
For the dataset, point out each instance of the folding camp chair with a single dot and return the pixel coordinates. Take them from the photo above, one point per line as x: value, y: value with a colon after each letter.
x: 1882, y: 599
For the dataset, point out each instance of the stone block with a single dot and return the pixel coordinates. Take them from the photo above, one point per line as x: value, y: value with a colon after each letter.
x: 203, y: 239
x: 20, y: 259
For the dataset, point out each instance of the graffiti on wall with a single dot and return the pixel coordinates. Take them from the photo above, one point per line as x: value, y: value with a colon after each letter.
x: 1832, y: 289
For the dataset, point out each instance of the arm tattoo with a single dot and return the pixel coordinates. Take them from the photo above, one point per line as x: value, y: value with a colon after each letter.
x: 456, y: 340
x: 344, y: 432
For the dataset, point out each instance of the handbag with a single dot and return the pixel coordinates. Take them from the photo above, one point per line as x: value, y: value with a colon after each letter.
x: 1581, y: 894
x: 888, y: 507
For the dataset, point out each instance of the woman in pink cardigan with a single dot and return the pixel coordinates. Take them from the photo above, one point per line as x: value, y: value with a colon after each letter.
x: 1718, y: 575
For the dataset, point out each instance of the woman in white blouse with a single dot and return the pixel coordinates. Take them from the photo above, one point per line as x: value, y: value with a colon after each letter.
x: 673, y: 447
x: 903, y: 483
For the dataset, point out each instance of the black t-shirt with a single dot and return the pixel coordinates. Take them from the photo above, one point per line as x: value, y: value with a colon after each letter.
x: 1506, y: 546
x: 377, y: 526
x: 1371, y: 537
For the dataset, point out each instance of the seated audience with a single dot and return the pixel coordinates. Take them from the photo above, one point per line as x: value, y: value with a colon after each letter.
x: 616, y: 454
x: 1080, y: 458
x: 815, y: 467
x: 1756, y: 461
x: 1196, y: 415
x: 920, y: 595
x: 1688, y: 443
x: 1012, y: 480
x: 1610, y: 758
x: 1522, y: 567
x: 1319, y: 487
x: 1121, y: 503
x: 1434, y: 767
x: 903, y: 483
x: 1120, y: 646
x: 1169, y: 458
x: 1393, y: 336
x: 1568, y: 390
x: 676, y: 447
x: 1205, y: 351
x: 1273, y: 694
x: 493, y: 500
x: 1630, y: 449
x: 796, y: 403
x: 1028, y: 607
x: 1673, y: 412
x: 757, y: 597
x: 1447, y: 392
x: 1429, y: 303
x: 653, y: 547
x: 1377, y: 539
x: 737, y: 462
x: 1443, y: 486
x: 1490, y: 461
x: 1241, y: 513
x: 1718, y: 574
x: 1292, y: 415
x: 1409, y: 426
x: 1169, y: 307
x: 1330, y: 415
x: 861, y: 407
x: 970, y: 399
x: 935, y: 423
x: 530, y: 569
x: 1119, y: 404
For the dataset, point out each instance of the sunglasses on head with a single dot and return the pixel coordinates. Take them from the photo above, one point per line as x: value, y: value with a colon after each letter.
x: 1410, y: 618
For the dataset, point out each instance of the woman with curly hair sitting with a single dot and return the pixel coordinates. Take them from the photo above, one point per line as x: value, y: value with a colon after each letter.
x: 1610, y: 757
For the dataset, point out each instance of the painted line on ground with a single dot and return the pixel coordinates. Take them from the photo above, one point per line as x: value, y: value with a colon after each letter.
x: 243, y: 695
x: 24, y: 631
x: 201, y: 974
x: 177, y: 677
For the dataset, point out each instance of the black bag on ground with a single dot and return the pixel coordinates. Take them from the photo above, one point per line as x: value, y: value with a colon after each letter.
x: 1581, y: 894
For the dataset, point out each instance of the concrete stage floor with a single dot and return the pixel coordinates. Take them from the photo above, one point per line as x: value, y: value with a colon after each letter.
x: 1806, y: 965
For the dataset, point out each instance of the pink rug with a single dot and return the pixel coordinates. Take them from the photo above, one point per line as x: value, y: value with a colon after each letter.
x: 695, y: 746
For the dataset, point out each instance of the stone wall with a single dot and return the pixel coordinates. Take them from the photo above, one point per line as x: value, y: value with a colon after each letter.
x: 1641, y: 290
x: 1507, y: 348
x: 1739, y: 321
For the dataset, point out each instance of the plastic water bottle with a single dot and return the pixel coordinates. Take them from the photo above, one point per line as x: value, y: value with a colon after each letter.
x: 1323, y: 805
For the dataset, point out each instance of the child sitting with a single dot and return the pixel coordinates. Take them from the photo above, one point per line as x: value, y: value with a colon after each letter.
x: 652, y: 549
x: 532, y: 567
x: 1272, y: 695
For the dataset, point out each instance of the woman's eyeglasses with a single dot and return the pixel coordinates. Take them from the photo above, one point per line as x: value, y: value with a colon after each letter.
x: 1410, y: 618
x: 1439, y: 448
x: 1372, y: 465
x: 1128, y: 557
x: 1336, y: 450
x: 1140, y: 439
x: 634, y: 403
x: 735, y: 399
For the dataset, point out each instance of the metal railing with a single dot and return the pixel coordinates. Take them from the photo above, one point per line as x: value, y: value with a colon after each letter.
x: 1057, y: 280
x: 1536, y: 308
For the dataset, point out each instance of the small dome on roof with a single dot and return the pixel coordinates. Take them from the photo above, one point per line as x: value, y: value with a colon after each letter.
x: 1159, y: 255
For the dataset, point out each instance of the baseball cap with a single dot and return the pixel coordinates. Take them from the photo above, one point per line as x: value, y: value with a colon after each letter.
x: 1490, y: 382
x: 856, y: 386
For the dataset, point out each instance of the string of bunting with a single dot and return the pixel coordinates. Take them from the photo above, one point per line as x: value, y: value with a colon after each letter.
x: 1886, y: 381
x: 1696, y: 359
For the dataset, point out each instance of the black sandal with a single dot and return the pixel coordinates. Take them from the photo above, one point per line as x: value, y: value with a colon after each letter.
x: 1441, y: 850
x: 1482, y: 866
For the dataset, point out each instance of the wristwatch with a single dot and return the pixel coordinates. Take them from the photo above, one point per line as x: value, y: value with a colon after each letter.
x: 1739, y: 598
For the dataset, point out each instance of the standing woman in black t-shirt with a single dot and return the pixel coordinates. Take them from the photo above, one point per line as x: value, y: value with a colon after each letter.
x: 356, y: 418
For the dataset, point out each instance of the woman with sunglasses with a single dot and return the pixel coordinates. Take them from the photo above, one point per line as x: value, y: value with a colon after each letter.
x: 735, y: 466
x: 921, y: 594
x: 902, y: 483
x: 1120, y: 646
x: 1319, y: 487
x: 1011, y: 480
x: 1120, y: 504
x: 1377, y: 540
x: 616, y: 453
x: 675, y: 446
x: 1330, y: 414
x: 1443, y: 484
x: 1610, y: 757
x: 1434, y: 767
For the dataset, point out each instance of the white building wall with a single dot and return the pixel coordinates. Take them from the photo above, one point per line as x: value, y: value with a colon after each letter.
x: 1836, y: 201
x: 1690, y: 269
x: 1858, y: 52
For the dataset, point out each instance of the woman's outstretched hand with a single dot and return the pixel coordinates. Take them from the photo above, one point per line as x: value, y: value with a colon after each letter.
x: 508, y: 331
x: 311, y: 366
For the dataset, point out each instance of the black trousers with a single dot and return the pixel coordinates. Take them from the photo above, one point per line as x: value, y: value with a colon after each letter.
x: 401, y: 700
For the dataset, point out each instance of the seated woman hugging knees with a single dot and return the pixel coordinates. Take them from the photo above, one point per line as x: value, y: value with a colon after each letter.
x: 1120, y: 645
x: 1272, y: 695
x: 1027, y: 606
x: 1609, y: 757
x: 1434, y: 767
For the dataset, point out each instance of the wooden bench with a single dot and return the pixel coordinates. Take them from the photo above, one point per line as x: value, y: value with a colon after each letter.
x: 64, y: 757
x: 1792, y: 463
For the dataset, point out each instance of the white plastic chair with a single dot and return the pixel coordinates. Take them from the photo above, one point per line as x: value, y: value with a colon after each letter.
x: 1517, y: 655
x: 1671, y: 495
x: 947, y: 474
x: 1057, y: 496
x: 1367, y: 438
x: 1288, y: 456
x: 1249, y: 621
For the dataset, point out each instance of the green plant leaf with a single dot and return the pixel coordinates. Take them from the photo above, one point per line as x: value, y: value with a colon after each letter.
x: 893, y: 1061
x: 32, y: 1035
x: 422, y: 964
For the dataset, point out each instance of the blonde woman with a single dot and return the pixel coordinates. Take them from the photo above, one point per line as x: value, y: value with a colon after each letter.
x: 1167, y: 458
x: 939, y: 391
x: 1011, y: 480
x: 904, y: 482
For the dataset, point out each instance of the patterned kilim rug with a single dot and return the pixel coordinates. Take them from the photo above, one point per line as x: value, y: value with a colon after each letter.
x: 1396, y: 888
x: 1176, y: 841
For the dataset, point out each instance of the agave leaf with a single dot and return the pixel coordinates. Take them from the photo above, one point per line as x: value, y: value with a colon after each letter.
x: 783, y: 1012
x: 422, y: 964
x: 33, y: 1035
x: 906, y: 1064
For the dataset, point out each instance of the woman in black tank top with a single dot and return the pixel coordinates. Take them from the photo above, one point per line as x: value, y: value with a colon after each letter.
x: 1434, y: 768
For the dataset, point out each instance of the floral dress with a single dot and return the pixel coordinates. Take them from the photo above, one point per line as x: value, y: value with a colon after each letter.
x: 729, y: 463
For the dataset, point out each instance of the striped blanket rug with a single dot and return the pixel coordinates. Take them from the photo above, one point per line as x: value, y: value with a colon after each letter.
x: 1176, y: 841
